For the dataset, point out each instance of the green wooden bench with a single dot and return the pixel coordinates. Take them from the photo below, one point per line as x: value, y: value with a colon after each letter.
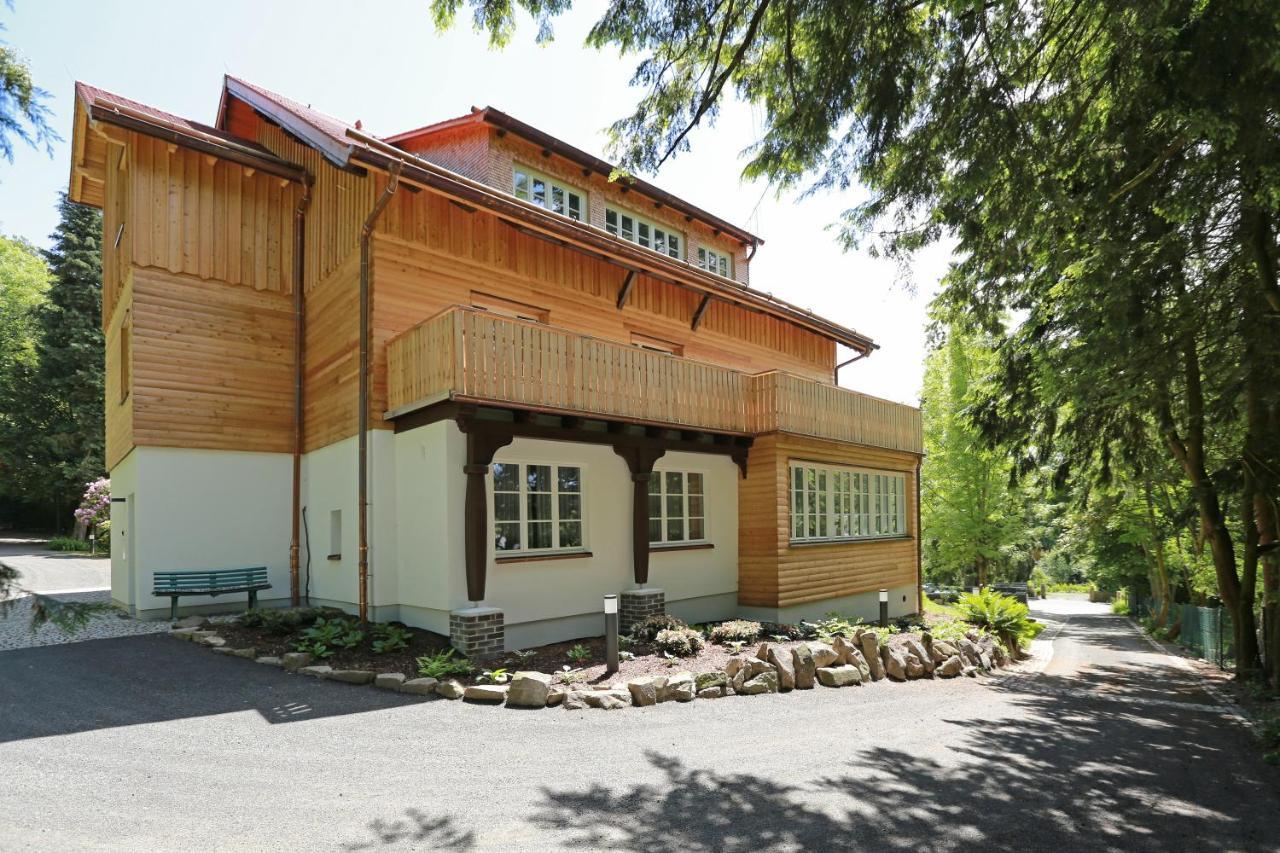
x: 212, y: 582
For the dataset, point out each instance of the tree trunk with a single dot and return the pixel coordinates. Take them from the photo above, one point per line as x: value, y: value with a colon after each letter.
x: 1160, y: 585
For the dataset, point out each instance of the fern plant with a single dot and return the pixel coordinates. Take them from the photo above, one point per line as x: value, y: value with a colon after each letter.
x: 1001, y: 615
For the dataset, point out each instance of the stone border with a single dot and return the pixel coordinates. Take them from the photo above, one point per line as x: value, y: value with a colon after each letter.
x: 772, y: 669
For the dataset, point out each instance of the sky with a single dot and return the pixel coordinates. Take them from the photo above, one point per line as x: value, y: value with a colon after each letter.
x: 386, y: 65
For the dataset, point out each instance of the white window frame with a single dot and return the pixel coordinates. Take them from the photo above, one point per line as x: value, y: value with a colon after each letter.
x: 551, y: 185
x: 650, y: 232
x: 660, y: 477
x: 840, y: 503
x: 523, y: 520
x: 715, y: 261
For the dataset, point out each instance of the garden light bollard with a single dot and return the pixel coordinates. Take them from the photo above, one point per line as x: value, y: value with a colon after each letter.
x: 884, y: 608
x: 93, y: 544
x: 611, y: 632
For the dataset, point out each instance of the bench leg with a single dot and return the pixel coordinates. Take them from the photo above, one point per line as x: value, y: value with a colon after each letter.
x: 253, y: 599
x: 173, y: 608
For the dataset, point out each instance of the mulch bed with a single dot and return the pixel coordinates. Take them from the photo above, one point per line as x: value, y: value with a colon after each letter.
x: 551, y: 659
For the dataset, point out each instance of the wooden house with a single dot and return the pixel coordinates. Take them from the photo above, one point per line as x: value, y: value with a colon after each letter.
x: 459, y: 378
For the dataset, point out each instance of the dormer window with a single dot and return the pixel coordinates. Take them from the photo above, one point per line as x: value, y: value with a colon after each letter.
x: 716, y: 262
x: 628, y: 226
x: 554, y: 195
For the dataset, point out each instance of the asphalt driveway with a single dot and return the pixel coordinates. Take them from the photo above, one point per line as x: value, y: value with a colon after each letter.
x: 146, y: 743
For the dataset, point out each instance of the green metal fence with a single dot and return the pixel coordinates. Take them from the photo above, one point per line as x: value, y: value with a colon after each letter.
x: 1206, y: 632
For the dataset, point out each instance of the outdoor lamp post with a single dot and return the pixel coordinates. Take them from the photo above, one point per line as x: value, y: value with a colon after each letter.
x: 611, y: 633
x: 93, y: 543
x: 884, y: 608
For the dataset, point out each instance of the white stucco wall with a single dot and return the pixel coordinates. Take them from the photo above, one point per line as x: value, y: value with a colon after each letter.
x: 547, y: 600
x: 200, y: 509
x: 124, y: 484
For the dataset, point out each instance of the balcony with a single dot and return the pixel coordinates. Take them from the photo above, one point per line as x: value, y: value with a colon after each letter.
x: 468, y: 355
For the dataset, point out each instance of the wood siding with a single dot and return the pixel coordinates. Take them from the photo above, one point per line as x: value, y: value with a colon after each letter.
x: 332, y: 374
x: 212, y: 364
x: 774, y: 573
x: 196, y: 215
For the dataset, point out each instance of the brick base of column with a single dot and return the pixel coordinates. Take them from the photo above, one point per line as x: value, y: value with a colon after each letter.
x: 635, y: 605
x: 478, y: 632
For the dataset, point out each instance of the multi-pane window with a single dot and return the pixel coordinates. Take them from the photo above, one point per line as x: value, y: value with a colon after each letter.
x: 628, y: 226
x: 677, y: 509
x: 716, y: 262
x: 547, y: 192
x: 829, y: 502
x: 536, y: 507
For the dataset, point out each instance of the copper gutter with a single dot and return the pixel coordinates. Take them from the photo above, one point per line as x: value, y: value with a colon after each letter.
x: 363, y: 464
x: 299, y: 354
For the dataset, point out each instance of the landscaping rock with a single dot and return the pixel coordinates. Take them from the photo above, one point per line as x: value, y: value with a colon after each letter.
x: 295, y: 660
x: 731, y: 668
x: 969, y: 672
x: 556, y: 695
x: 739, y: 678
x: 765, y: 682
x: 755, y: 667
x: 711, y: 681
x: 823, y: 655
x: 193, y: 622
x: 871, y: 652
x: 941, y: 651
x: 969, y: 651
x: 864, y: 669
x: 419, y: 686
x: 352, y: 676
x: 269, y: 660
x: 839, y: 676
x: 785, y: 665
x: 950, y: 667
x: 843, y: 649
x: 320, y: 671
x: 805, y: 669
x: 247, y: 654
x: 985, y: 660
x: 895, y: 663
x: 711, y: 693
x: 679, y: 688
x: 529, y: 690
x: 608, y: 700
x: 763, y: 651
x: 222, y: 650
x: 450, y: 689
x: 390, y: 680
x: 208, y: 638
x: 915, y: 667
x: 1000, y: 656
x: 485, y: 693
x: 574, y: 700
x: 915, y: 647
x: 644, y: 690
x: 187, y: 634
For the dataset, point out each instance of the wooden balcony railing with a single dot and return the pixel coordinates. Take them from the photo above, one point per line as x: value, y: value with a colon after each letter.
x: 475, y: 355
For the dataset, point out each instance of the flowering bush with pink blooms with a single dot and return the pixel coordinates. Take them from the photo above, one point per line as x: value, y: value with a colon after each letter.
x: 95, y: 506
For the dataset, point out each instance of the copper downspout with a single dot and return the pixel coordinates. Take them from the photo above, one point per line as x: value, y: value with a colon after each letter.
x: 363, y: 492
x: 299, y: 329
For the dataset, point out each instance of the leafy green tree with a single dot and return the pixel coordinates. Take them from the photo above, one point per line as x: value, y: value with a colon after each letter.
x: 969, y: 510
x: 24, y: 280
x: 1110, y: 170
x: 52, y: 441
x: 23, y: 114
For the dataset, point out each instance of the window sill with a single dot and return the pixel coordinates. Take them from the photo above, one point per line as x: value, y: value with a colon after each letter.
x: 539, y: 558
x: 681, y: 546
x: 813, y: 543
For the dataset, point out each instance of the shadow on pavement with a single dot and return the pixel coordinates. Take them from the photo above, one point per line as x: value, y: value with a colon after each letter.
x: 64, y: 689
x: 416, y: 831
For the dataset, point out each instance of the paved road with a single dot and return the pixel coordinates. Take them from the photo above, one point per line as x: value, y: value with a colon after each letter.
x: 145, y: 743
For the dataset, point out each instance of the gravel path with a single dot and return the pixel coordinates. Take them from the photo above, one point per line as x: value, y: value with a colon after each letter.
x: 147, y: 743
x: 66, y: 577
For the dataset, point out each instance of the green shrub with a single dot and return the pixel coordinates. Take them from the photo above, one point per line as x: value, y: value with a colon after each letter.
x: 67, y: 543
x: 1003, y: 616
x: 734, y: 631
x: 390, y: 638
x: 1120, y: 606
x: 952, y: 632
x: 282, y: 622
x: 443, y: 664
x: 647, y: 629
x: 679, y: 642
x: 327, y: 636
x: 578, y: 653
x: 835, y: 625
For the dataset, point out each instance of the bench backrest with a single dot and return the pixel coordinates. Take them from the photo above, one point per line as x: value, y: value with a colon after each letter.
x: 211, y: 579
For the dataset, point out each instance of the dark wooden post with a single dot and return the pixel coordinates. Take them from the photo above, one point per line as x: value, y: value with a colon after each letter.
x: 640, y: 459
x: 482, y: 442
